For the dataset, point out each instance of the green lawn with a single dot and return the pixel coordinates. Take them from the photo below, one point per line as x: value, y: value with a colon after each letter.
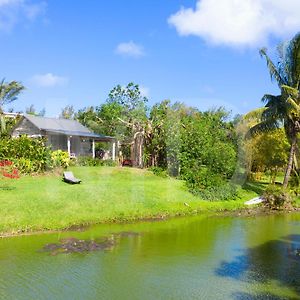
x: 106, y: 194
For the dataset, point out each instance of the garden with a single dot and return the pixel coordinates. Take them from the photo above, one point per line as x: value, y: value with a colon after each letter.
x: 185, y: 161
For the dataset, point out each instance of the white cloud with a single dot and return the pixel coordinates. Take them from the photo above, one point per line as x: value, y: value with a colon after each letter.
x: 130, y: 49
x: 13, y: 12
x: 48, y: 80
x: 238, y: 22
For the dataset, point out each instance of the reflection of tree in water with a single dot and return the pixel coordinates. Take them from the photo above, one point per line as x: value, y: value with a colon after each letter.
x: 262, y: 296
x: 275, y: 260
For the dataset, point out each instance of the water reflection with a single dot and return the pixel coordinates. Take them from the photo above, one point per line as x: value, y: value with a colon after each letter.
x: 275, y: 260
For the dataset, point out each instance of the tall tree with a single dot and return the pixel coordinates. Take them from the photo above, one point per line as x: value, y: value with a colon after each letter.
x: 32, y: 111
x: 9, y: 92
x: 133, y: 116
x: 68, y: 112
x: 283, y: 109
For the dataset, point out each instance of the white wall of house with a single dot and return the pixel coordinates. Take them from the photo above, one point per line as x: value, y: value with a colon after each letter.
x: 78, y: 145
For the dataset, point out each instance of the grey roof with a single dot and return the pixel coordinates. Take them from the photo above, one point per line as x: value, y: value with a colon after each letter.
x: 63, y: 126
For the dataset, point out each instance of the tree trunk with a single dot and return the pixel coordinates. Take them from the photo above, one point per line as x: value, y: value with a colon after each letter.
x: 138, y: 143
x: 290, y: 163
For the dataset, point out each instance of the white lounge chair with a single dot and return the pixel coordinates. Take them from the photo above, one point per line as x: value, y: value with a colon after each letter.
x: 69, y: 178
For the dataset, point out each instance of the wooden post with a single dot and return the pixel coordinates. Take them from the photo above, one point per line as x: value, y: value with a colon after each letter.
x: 114, y: 151
x: 69, y: 145
x: 93, y: 147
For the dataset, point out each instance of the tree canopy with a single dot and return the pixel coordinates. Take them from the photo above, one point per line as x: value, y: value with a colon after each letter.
x: 283, y: 109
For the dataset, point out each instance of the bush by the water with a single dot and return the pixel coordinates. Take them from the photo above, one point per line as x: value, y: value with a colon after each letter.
x: 276, y: 197
x: 223, y: 192
x: 28, y: 155
x: 210, y: 186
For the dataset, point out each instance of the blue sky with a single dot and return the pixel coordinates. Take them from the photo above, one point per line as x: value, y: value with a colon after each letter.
x: 203, y: 53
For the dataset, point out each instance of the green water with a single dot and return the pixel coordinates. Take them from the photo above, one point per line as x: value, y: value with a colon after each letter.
x: 185, y: 258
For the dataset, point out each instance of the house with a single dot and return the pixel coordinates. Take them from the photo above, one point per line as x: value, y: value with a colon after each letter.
x: 63, y: 134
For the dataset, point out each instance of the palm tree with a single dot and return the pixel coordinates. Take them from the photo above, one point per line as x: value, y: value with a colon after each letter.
x: 8, y: 93
x: 283, y: 109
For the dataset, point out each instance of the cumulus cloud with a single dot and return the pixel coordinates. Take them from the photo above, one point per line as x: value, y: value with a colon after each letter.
x: 48, y: 80
x: 13, y: 12
x: 130, y: 49
x: 247, y: 23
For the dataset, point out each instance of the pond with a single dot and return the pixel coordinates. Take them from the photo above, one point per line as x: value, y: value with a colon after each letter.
x: 199, y: 257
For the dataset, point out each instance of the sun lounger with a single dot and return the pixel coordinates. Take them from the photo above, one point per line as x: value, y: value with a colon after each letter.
x: 255, y: 200
x: 69, y: 178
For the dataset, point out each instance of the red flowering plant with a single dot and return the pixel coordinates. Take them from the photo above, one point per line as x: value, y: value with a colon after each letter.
x: 8, y: 170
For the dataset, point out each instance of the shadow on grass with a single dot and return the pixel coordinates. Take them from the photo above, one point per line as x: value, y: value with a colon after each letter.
x: 7, y: 188
x: 276, y: 260
x: 254, y: 186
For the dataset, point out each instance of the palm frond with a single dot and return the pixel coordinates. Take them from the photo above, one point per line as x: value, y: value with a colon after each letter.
x: 268, y: 99
x: 9, y: 91
x: 294, y: 60
x: 264, y: 126
x: 274, y: 73
x: 293, y: 106
x: 254, y: 114
x: 275, y: 107
x: 293, y: 92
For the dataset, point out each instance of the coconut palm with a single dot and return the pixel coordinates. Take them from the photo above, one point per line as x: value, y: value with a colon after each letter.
x: 283, y: 109
x: 8, y: 93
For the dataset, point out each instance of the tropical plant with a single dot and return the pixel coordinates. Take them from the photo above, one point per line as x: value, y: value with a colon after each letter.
x: 283, y: 109
x: 208, y: 154
x: 60, y: 159
x: 68, y: 112
x: 32, y: 111
x: 28, y: 155
x: 8, y: 93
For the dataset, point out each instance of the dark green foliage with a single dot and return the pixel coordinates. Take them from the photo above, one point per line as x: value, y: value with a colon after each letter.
x: 155, y: 143
x: 158, y: 171
x: 209, y: 185
x: 29, y: 155
x: 219, y: 193
x: 199, y: 147
x: 129, y: 97
x: 208, y: 154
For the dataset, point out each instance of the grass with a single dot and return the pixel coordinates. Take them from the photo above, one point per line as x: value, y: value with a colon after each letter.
x: 106, y: 194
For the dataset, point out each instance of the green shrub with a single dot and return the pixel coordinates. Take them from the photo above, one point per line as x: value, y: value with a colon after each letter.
x: 219, y: 193
x: 158, y: 171
x: 29, y: 155
x: 208, y: 185
x: 109, y: 163
x: 60, y: 158
x: 276, y: 197
x: 88, y: 161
